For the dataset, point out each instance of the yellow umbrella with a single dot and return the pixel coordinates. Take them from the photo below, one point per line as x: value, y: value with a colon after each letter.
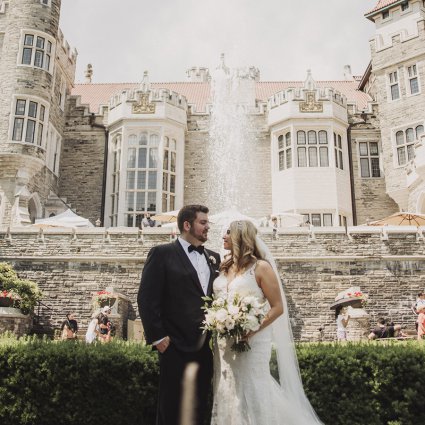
x: 401, y: 219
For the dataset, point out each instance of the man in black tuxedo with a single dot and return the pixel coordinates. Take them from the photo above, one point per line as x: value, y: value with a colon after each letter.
x: 175, y: 278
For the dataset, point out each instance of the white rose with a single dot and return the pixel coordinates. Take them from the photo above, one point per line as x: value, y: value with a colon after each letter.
x: 248, y: 300
x: 219, y: 302
x: 221, y: 315
x: 233, y: 310
x: 230, y: 323
x: 210, y: 318
x: 252, y: 323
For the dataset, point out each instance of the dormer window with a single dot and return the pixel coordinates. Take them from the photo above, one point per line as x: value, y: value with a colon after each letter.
x: 405, y: 5
x: 385, y: 14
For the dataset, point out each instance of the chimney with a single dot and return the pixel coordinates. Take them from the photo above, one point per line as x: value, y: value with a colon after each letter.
x: 347, y: 73
x: 89, y: 73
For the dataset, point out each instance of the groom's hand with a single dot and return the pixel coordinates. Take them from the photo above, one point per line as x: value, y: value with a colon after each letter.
x: 163, y: 345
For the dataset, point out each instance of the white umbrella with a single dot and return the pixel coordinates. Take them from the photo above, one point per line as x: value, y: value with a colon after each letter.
x: 166, y: 217
x: 65, y: 219
x: 289, y: 219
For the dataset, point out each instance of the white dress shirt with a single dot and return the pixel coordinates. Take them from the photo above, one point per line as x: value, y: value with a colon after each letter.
x: 199, y: 262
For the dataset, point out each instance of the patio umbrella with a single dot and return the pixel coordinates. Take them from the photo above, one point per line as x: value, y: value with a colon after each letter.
x: 401, y: 219
x: 166, y: 217
x: 224, y: 218
x: 65, y: 219
x: 289, y: 219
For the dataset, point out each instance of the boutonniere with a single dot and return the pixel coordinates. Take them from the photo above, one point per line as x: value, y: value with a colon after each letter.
x: 212, y: 259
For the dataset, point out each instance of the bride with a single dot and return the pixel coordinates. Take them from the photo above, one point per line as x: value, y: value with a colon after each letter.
x: 245, y: 393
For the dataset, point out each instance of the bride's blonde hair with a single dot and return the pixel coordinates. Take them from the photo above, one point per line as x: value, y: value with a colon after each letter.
x: 244, y: 249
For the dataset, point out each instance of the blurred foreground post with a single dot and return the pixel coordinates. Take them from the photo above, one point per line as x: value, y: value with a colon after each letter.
x: 188, y: 398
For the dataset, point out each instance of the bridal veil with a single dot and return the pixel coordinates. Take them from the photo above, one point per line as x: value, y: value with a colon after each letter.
x: 292, y: 392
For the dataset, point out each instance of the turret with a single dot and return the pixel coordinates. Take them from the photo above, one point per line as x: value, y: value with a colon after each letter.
x: 36, y: 72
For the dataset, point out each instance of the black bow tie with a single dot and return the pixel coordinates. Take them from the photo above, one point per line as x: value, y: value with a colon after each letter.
x: 199, y: 248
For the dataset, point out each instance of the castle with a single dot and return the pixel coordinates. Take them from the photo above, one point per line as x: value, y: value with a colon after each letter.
x: 338, y: 152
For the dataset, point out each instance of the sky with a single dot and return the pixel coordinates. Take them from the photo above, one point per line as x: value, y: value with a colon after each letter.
x: 282, y: 38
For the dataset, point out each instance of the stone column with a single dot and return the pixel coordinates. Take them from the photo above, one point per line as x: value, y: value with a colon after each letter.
x: 12, y: 320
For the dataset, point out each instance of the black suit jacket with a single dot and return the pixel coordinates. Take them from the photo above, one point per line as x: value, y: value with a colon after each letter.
x: 170, y: 296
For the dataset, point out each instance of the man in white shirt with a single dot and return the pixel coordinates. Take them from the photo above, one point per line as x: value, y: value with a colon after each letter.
x: 175, y: 278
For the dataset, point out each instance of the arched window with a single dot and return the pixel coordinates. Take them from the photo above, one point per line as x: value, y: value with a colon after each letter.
x: 405, y: 141
x: 284, y: 148
x: 317, y: 153
x: 301, y: 150
x: 142, y: 177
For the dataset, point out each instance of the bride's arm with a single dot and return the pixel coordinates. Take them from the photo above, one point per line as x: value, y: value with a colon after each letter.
x: 269, y: 284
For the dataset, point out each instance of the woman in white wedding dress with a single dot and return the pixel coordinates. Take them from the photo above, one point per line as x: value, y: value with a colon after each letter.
x: 245, y: 393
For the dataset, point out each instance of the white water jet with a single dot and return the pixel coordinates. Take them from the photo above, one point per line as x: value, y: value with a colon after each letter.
x: 231, y: 152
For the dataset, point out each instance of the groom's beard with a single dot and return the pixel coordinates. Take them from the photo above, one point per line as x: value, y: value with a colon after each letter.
x: 201, y: 237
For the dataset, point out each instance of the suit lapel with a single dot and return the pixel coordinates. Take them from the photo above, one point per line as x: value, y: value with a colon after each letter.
x: 212, y: 272
x: 188, y: 265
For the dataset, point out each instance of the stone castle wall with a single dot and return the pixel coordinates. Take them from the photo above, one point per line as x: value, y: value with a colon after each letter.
x: 372, y: 201
x: 408, y: 110
x: 69, y: 266
x: 82, y: 164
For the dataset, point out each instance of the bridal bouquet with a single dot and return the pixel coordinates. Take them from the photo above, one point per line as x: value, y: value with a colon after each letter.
x: 233, y: 317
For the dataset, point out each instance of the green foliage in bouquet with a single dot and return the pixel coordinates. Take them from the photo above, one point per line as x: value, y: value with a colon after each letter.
x: 24, y: 293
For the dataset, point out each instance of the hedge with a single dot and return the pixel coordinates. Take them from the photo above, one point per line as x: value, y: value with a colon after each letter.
x: 44, y: 382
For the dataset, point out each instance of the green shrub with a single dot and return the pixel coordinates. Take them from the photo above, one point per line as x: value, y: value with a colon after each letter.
x: 27, y: 291
x: 53, y: 383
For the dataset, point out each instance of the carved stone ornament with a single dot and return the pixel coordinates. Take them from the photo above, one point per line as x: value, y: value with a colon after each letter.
x: 143, y: 106
x: 310, y: 105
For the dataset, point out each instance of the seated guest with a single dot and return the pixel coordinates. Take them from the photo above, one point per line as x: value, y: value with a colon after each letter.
x: 385, y: 330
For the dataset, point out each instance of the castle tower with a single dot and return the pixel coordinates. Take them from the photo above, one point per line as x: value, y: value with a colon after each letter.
x: 309, y: 147
x: 36, y: 72
x: 398, y: 74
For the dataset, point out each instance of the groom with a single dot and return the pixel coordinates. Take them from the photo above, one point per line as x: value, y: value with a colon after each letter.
x: 175, y: 278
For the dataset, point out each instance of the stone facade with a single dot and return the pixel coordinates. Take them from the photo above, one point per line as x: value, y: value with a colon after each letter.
x: 314, y: 268
x: 37, y: 70
x: 83, y: 163
x: 72, y: 163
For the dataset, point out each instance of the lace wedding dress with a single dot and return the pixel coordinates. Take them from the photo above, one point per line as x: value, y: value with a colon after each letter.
x: 245, y: 393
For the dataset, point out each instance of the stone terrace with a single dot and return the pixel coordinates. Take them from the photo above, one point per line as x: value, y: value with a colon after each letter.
x: 314, y: 265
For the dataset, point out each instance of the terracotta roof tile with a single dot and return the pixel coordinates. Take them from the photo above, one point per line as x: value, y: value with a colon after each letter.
x: 198, y: 94
x: 382, y: 4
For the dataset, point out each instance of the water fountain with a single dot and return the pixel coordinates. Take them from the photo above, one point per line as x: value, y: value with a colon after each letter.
x: 236, y: 148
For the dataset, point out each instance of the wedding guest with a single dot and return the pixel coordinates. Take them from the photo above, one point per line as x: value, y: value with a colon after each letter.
x: 93, y: 329
x: 342, y: 318
x: 105, y: 324
x: 420, y: 301
x: 69, y: 327
x: 421, y: 322
x: 385, y: 330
